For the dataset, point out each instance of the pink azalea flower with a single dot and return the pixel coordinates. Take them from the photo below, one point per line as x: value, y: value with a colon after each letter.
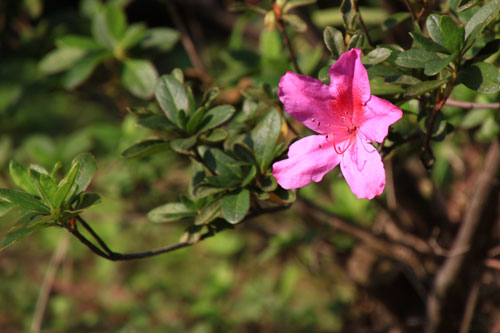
x: 347, y: 117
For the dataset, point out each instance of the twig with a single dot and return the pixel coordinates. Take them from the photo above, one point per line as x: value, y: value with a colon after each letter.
x: 48, y: 281
x: 186, y: 39
x: 400, y: 252
x: 472, y: 105
x: 362, y: 23
x: 115, y: 256
x: 467, y: 235
x: 410, y: 9
x: 469, y: 308
x: 281, y: 28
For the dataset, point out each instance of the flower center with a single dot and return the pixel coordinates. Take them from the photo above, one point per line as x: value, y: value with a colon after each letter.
x: 351, y: 131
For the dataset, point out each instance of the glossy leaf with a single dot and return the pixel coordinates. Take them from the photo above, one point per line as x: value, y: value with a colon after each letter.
x: 208, y: 213
x: 434, y: 28
x: 86, y: 170
x: 21, y: 177
x: 65, y: 185
x: 482, y: 77
x: 23, y: 199
x: 183, y: 145
x: 139, y: 77
x: 435, y: 66
x: 453, y: 34
x: 334, y: 41
x: 170, y: 212
x: 428, y: 43
x: 217, y: 116
x: 172, y: 96
x: 15, y: 235
x: 415, y: 58
x: 235, y: 206
x: 423, y: 87
x: 263, y: 138
x: 217, y: 135
x: 484, y: 16
x: 157, y: 122
x: 376, y: 56
x: 133, y: 35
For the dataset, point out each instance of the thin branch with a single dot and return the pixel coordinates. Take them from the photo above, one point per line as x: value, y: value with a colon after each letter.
x: 400, y: 252
x: 466, y: 237
x: 48, y: 282
x: 116, y: 256
x: 96, y: 237
x: 281, y: 28
x: 186, y: 39
x: 470, y: 308
x: 410, y: 9
x: 472, y: 105
x: 362, y: 23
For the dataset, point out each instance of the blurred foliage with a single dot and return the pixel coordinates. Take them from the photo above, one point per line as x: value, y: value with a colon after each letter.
x: 107, y: 88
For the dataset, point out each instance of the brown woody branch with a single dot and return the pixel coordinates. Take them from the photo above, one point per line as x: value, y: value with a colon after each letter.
x: 463, y: 245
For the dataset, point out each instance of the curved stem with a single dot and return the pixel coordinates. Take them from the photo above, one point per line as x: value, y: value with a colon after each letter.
x: 116, y: 256
x: 286, y: 41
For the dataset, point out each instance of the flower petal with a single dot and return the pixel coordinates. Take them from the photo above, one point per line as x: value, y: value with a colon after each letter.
x: 308, y: 159
x: 349, y: 79
x: 376, y: 118
x: 363, y: 169
x: 306, y: 99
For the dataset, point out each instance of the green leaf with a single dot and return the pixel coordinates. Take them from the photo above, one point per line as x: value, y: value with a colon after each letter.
x: 23, y: 199
x: 356, y: 41
x: 21, y: 177
x: 163, y: 39
x: 285, y: 196
x: 376, y: 56
x: 217, y: 135
x: 109, y: 25
x: 86, y: 170
x: 423, y: 87
x: 415, y: 58
x: 157, y: 122
x: 435, y: 66
x: 195, y: 120
x: 83, y: 69
x: 453, y: 34
x: 263, y: 138
x: 133, y: 35
x: 488, y: 50
x: 216, y: 116
x: 428, y: 43
x: 334, y: 41
x: 46, y: 186
x: 15, y: 235
x: 146, y: 148
x: 182, y: 145
x: 475, y: 118
x: 65, y: 185
x: 484, y: 16
x: 434, y: 28
x: 172, y: 96
x: 170, y: 212
x: 250, y: 176
x: 482, y: 77
x: 268, y: 183
x: 60, y: 59
x: 139, y: 77
x: 379, y: 87
x: 223, y: 164
x: 76, y: 41
x: 224, y: 181
x: 208, y: 213
x: 87, y: 200
x: 235, y: 206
